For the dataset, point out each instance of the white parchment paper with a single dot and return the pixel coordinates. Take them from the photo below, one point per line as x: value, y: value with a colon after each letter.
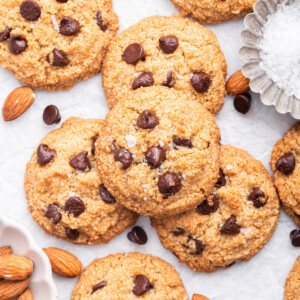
x: 262, y: 278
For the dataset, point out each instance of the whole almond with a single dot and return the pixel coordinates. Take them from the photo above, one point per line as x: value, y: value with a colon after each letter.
x: 5, y: 250
x: 15, y: 267
x: 63, y: 262
x: 237, y: 84
x: 199, y: 297
x: 27, y: 295
x: 11, y: 289
x: 17, y: 102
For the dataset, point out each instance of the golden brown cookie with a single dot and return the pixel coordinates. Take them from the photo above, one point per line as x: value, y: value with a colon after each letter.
x: 171, y: 51
x: 285, y: 163
x: 158, y: 153
x: 233, y: 224
x: 64, y: 192
x: 292, y: 284
x: 52, y: 44
x: 129, y: 276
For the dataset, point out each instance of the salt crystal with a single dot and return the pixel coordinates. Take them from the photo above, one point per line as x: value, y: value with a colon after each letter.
x: 146, y: 186
x: 246, y: 231
x: 131, y: 140
x: 179, y: 76
x: 229, y: 167
x: 55, y: 24
x: 183, y: 176
x: 161, y: 143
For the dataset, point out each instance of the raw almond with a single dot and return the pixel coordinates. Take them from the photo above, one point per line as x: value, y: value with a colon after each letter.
x: 11, y: 289
x: 15, y: 267
x: 237, y: 84
x: 5, y: 250
x: 63, y: 262
x: 199, y: 297
x: 27, y: 295
x: 17, y: 102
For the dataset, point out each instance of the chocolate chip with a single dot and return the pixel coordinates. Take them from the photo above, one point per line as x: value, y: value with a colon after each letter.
x: 141, y: 285
x: 170, y: 81
x: 133, y: 53
x: 98, y: 286
x: 221, y: 180
x: 137, y: 235
x: 143, y: 80
x: 62, y: 1
x: 74, y: 206
x: 44, y: 154
x: 106, y: 195
x: 68, y: 26
x: 168, y: 184
x: 51, y: 115
x: 17, y: 44
x: 182, y: 142
x: 80, y: 162
x: 5, y: 34
x: 100, y: 21
x: 209, y: 206
x: 168, y: 44
x: 230, y: 226
x: 155, y: 156
x: 72, y: 234
x: 178, y: 231
x: 197, y: 246
x: 124, y: 157
x: 286, y: 163
x: 200, y: 82
x: 242, y: 103
x: 255, y: 196
x: 295, y: 237
x: 147, y: 120
x: 57, y: 58
x: 53, y: 213
x: 94, y: 139
x: 30, y: 10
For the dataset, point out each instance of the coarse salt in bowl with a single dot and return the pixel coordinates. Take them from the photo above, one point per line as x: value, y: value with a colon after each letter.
x: 271, y: 52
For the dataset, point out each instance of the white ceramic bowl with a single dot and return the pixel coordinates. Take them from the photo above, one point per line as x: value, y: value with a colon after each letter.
x: 270, y: 93
x: 21, y: 241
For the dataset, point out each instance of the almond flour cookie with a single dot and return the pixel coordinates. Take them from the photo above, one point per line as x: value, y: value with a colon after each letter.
x: 292, y: 285
x: 158, y: 153
x: 170, y: 51
x: 285, y: 163
x: 64, y: 193
x: 129, y: 276
x: 214, y: 11
x: 52, y: 44
x: 232, y: 224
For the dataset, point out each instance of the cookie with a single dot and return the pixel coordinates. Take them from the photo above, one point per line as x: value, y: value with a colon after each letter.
x: 215, y: 11
x: 65, y: 195
x: 292, y: 284
x: 170, y: 51
x: 159, y: 152
x: 52, y: 44
x: 129, y: 276
x: 285, y: 163
x: 232, y: 224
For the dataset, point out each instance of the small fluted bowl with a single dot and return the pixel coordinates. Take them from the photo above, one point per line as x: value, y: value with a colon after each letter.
x: 270, y: 92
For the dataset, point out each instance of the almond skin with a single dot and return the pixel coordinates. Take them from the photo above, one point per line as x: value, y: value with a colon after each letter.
x: 27, y: 295
x: 17, y: 102
x: 15, y: 267
x: 63, y: 262
x: 5, y: 250
x: 11, y: 289
x: 237, y: 84
x: 199, y: 297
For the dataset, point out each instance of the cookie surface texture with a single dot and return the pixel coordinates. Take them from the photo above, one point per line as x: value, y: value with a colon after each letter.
x: 292, y: 285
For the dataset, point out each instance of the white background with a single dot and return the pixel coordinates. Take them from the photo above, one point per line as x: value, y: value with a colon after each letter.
x: 260, y: 279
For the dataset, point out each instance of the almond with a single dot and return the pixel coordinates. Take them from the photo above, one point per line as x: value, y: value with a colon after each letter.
x: 27, y: 295
x: 63, y: 262
x: 237, y: 84
x: 15, y: 267
x: 11, y: 289
x: 17, y: 102
x: 5, y: 250
x: 199, y: 297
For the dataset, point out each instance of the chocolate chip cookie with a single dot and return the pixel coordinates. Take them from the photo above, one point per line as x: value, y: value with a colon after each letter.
x: 285, y: 163
x: 166, y: 51
x: 234, y: 222
x: 214, y: 11
x: 53, y: 44
x: 292, y: 285
x: 159, y: 152
x: 129, y: 276
x: 64, y: 193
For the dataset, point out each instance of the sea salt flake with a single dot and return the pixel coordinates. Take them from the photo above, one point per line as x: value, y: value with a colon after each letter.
x: 161, y: 143
x: 183, y: 176
x: 179, y: 76
x: 229, y: 167
x: 246, y: 231
x: 131, y: 141
x: 146, y: 186
x: 55, y: 24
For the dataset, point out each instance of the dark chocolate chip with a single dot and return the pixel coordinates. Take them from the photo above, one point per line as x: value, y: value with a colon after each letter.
x: 105, y: 195
x: 200, y: 82
x: 57, y: 58
x: 178, y: 231
x: 182, y: 142
x: 68, y: 26
x: 124, y: 157
x: 100, y: 21
x: 168, y: 44
x: 199, y: 247
x: 137, y: 235
x: 133, y: 53
x: 51, y: 115
x: 143, y: 80
x: 155, y: 156
x: 5, y: 34
x: 98, y: 286
x: 141, y: 285
x: 242, y: 103
x: 255, y: 195
x: 168, y: 184
x: 80, y: 162
x: 72, y: 234
x: 17, y: 44
x: 286, y: 163
x: 147, y: 120
x: 94, y: 139
x: 170, y: 81
x: 53, y: 213
x: 74, y: 206
x: 230, y: 226
x: 295, y: 237
x: 62, y: 1
x: 44, y: 154
x: 221, y: 180
x: 209, y: 206
x: 30, y: 10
